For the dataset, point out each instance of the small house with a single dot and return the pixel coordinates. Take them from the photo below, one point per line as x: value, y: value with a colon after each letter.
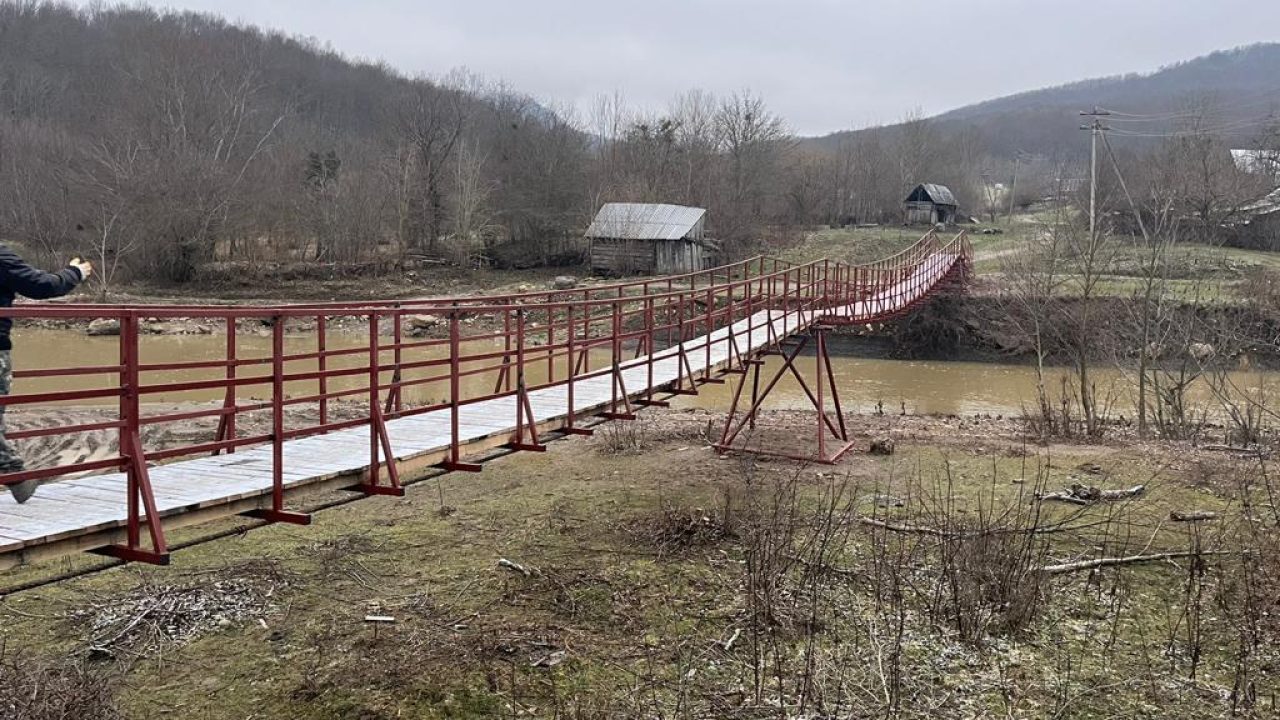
x: 1258, y: 226
x: 649, y: 239
x: 930, y: 204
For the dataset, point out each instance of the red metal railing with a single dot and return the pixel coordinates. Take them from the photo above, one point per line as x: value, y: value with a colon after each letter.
x: 469, y: 349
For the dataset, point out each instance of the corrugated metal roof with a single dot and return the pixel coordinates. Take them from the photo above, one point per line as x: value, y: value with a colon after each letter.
x: 644, y: 221
x: 939, y: 194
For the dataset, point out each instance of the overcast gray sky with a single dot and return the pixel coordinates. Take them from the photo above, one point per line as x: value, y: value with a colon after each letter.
x: 825, y: 65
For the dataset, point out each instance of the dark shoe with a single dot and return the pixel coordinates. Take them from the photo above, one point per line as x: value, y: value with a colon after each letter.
x: 23, y: 491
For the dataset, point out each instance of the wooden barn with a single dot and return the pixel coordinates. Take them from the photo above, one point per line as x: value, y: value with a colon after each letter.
x: 649, y: 239
x: 930, y: 204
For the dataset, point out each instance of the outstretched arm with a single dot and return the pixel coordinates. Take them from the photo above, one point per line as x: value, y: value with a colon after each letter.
x: 34, y: 282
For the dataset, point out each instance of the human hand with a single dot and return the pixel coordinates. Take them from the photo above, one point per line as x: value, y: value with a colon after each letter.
x: 85, y: 268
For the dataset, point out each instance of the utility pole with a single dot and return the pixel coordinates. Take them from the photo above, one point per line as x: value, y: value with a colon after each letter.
x: 1013, y: 189
x: 1089, y: 276
x: 990, y: 191
x: 1095, y: 129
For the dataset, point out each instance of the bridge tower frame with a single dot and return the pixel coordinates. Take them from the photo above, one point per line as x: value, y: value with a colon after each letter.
x: 829, y: 450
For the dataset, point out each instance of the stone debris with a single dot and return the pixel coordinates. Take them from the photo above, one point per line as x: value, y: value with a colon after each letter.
x: 103, y: 327
x: 883, y: 446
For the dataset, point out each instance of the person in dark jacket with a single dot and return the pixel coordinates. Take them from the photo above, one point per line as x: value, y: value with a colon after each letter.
x: 19, y: 278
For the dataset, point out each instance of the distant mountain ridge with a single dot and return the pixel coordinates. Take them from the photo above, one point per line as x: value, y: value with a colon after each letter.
x: 1240, y: 86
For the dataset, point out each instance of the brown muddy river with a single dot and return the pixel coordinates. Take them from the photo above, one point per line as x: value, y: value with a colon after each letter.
x: 958, y: 388
x: 45, y: 349
x: 922, y: 387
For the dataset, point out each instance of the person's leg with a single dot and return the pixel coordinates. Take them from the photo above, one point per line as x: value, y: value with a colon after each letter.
x: 10, y: 461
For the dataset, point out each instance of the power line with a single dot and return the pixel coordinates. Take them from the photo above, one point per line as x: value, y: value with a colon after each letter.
x: 1115, y: 166
x: 1253, y: 98
x: 1203, y: 130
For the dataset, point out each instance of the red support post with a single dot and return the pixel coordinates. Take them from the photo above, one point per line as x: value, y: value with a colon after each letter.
x: 786, y: 303
x: 141, y: 500
x: 394, y: 401
x: 322, y: 365
x: 454, y: 461
x: 504, y: 370
x: 647, y: 400
x: 710, y: 328
x: 571, y: 410
x: 551, y: 344
x: 227, y: 421
x: 686, y: 383
x: 619, y: 386
x: 277, y: 513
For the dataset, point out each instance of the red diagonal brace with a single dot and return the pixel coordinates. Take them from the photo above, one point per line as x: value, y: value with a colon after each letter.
x: 524, y: 410
x: 619, y: 386
x: 378, y: 437
x: 141, y: 500
x: 824, y: 375
x: 142, y: 507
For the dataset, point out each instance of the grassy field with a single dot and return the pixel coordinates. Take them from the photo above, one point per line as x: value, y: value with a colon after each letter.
x: 681, y: 585
x: 1196, y: 272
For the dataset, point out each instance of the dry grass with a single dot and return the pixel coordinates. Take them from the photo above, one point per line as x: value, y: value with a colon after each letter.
x: 681, y: 585
x: 35, y: 689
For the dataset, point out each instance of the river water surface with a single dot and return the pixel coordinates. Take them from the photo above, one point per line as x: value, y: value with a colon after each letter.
x: 921, y: 387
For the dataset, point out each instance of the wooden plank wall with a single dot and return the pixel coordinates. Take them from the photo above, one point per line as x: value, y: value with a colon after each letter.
x: 622, y: 257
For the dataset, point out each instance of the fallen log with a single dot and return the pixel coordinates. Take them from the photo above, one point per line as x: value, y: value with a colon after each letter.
x: 1193, y: 516
x: 1064, y: 526
x: 1085, y: 495
x: 896, y: 527
x: 1079, y: 565
x: 1135, y: 491
x: 728, y: 644
x: 514, y: 567
x: 1246, y: 452
x: 1064, y: 497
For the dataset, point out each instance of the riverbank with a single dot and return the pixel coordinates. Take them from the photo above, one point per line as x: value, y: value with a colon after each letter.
x: 980, y: 324
x: 644, y: 575
x: 308, y: 284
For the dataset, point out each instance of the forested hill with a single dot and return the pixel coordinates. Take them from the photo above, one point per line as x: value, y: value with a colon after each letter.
x: 158, y: 142
x: 171, y: 146
x: 166, y: 144
x: 1233, y: 90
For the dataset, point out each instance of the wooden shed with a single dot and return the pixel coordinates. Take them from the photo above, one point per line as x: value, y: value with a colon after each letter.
x: 930, y: 204
x: 649, y: 239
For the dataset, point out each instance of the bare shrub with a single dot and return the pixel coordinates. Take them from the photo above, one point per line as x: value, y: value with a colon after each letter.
x: 1247, y: 591
x: 1261, y: 287
x: 672, y: 529
x: 1176, y: 415
x: 792, y: 544
x: 630, y: 437
x: 1247, y: 411
x: 987, y: 559
x: 34, y: 690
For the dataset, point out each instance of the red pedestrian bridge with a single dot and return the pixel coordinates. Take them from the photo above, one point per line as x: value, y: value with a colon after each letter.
x: 381, y: 410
